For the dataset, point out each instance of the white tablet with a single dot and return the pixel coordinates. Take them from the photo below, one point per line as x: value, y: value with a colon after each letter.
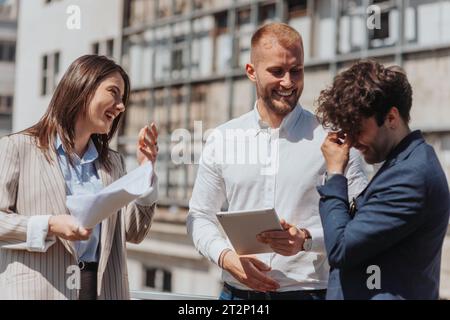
x: 242, y: 227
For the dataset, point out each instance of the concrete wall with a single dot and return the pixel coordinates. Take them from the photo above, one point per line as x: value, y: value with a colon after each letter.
x: 6, y: 78
x: 316, y: 79
x: 216, y: 105
x: 429, y: 75
x: 433, y: 20
x: 244, y: 96
x: 325, y: 41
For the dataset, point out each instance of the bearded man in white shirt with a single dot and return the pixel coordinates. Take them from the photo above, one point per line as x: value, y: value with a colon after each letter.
x: 287, y: 139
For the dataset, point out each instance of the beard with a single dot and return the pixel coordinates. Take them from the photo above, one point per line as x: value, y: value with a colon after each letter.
x: 279, y: 108
x: 281, y: 105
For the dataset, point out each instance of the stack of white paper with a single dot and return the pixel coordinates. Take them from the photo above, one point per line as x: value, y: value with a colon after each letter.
x: 91, y: 209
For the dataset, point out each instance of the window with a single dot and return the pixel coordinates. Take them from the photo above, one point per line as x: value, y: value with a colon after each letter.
x: 164, y: 8
x: 181, y: 7
x: 221, y: 22
x: 49, y: 1
x: 7, y: 51
x: 177, y: 60
x: 159, y: 279
x: 210, y: 4
x: 55, y: 68
x: 9, y: 102
x: 297, y: 8
x: 267, y: 13
x: 5, y: 114
x: 44, y: 75
x: 138, y: 12
x: 354, y: 32
x: 387, y: 33
x: 50, y: 66
x: 243, y: 18
x: 179, y: 56
x: 223, y: 43
x: 96, y: 48
x: 178, y: 53
x: 11, y: 53
x: 105, y: 48
x: 6, y: 104
x: 383, y: 32
x: 198, y: 4
x: 110, y: 48
x: 352, y: 27
x: 199, y: 94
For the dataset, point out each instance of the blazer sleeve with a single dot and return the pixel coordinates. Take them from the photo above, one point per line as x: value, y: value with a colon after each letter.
x: 392, y: 212
x: 138, y: 217
x: 13, y: 226
x: 356, y: 181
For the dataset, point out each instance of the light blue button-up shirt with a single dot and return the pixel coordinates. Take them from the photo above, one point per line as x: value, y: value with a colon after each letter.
x: 82, y: 178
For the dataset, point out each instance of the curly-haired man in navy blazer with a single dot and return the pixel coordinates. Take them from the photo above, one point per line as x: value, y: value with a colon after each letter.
x: 386, y: 243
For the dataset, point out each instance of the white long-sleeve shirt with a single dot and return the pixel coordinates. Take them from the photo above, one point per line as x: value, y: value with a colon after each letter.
x: 248, y: 165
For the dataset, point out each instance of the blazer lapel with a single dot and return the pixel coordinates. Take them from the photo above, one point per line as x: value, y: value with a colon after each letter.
x: 108, y: 225
x: 55, y: 186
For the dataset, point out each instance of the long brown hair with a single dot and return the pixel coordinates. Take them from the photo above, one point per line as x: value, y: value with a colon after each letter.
x: 71, y: 99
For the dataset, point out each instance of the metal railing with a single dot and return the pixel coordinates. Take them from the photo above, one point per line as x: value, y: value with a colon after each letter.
x: 156, y: 295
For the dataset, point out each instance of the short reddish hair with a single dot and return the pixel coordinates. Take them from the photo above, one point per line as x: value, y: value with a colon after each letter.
x: 284, y: 34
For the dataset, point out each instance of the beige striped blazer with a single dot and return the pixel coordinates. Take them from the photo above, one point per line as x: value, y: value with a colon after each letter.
x: 30, y: 185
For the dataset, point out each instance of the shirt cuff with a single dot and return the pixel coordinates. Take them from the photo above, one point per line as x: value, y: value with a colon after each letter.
x: 37, y: 230
x: 150, y: 196
x: 317, y: 239
x: 335, y: 187
x: 216, y: 248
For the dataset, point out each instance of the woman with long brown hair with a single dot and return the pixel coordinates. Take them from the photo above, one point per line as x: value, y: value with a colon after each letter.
x: 67, y: 153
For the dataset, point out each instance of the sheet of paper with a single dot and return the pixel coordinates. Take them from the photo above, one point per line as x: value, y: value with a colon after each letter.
x: 91, y: 209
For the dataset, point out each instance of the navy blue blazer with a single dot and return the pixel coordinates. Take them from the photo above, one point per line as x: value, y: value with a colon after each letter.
x: 399, y: 224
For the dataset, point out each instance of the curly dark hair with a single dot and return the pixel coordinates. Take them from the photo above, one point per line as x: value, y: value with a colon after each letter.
x: 366, y: 89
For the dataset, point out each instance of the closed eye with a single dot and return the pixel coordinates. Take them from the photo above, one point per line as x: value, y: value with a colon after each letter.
x: 276, y: 72
x: 113, y: 92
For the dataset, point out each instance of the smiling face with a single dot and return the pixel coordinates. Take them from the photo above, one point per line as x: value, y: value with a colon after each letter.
x: 278, y: 74
x: 105, y: 105
x: 374, y: 142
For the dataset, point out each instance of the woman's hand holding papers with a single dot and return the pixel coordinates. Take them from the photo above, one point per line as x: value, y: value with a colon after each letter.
x: 66, y: 227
